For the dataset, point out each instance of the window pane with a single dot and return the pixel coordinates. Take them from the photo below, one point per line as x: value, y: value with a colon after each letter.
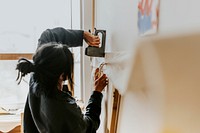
x: 11, y: 93
x: 22, y: 22
x: 77, y: 73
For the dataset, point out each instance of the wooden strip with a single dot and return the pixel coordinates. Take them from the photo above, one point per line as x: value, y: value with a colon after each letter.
x: 15, y: 56
x: 17, y: 129
x: 115, y: 112
x: 93, y: 15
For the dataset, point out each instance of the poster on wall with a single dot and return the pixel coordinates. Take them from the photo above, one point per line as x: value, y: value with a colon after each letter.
x: 148, y: 13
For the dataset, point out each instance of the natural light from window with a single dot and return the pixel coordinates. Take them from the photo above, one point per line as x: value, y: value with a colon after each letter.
x: 22, y: 22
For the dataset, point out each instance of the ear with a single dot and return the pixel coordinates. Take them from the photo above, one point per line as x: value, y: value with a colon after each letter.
x: 61, y: 78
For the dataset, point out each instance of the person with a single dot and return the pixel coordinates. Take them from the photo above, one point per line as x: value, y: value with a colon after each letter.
x: 48, y: 108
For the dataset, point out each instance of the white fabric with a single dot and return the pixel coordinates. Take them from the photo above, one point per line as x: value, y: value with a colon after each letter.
x: 117, y: 68
x: 118, y: 65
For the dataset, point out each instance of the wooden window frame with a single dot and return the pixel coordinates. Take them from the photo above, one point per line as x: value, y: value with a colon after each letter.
x: 15, y: 56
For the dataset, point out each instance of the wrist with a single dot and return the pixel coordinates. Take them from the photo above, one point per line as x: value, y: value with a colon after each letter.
x: 97, y: 90
x: 85, y: 33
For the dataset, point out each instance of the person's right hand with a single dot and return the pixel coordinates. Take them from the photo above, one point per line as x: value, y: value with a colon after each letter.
x: 100, y: 82
x: 90, y: 39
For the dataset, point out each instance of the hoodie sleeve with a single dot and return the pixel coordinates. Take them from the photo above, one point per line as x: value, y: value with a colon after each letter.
x: 72, y: 38
x: 93, y: 111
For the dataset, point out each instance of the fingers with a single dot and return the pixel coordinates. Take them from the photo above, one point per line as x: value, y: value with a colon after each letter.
x: 103, y: 77
x: 95, y: 41
x: 102, y: 81
x: 97, y: 70
x: 96, y: 75
x: 100, y: 85
x: 91, y: 39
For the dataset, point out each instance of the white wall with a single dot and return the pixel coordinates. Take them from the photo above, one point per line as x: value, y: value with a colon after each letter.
x: 119, y: 18
x: 179, y: 15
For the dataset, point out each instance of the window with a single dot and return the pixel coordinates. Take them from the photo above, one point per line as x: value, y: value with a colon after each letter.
x: 22, y: 22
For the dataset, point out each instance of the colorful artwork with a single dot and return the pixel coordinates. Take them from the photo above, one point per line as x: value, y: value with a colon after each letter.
x: 148, y: 11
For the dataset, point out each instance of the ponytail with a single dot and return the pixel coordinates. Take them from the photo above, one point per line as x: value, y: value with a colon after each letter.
x: 24, y: 67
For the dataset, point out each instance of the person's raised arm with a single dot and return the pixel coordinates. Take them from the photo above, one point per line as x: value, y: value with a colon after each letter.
x: 72, y: 38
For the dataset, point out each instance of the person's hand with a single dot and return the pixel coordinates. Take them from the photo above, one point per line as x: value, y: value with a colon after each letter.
x: 101, y: 81
x: 90, y: 39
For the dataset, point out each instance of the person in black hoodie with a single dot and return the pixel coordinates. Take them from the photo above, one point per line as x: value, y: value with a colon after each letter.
x: 48, y: 108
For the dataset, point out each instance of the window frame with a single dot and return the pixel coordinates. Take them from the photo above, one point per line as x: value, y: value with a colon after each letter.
x: 75, y: 20
x: 15, y: 56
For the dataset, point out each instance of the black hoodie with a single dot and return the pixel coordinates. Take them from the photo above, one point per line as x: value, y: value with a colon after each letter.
x: 60, y: 113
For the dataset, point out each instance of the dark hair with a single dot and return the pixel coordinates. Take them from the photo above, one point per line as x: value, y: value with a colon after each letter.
x: 49, y: 62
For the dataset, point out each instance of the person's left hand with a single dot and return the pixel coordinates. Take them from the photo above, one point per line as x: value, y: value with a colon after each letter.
x: 90, y: 39
x: 100, y: 80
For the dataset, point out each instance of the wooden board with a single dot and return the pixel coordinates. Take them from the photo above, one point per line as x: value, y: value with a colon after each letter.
x: 15, y: 56
x: 115, y: 111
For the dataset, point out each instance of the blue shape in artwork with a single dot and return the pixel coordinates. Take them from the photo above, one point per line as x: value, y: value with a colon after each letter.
x: 144, y: 22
